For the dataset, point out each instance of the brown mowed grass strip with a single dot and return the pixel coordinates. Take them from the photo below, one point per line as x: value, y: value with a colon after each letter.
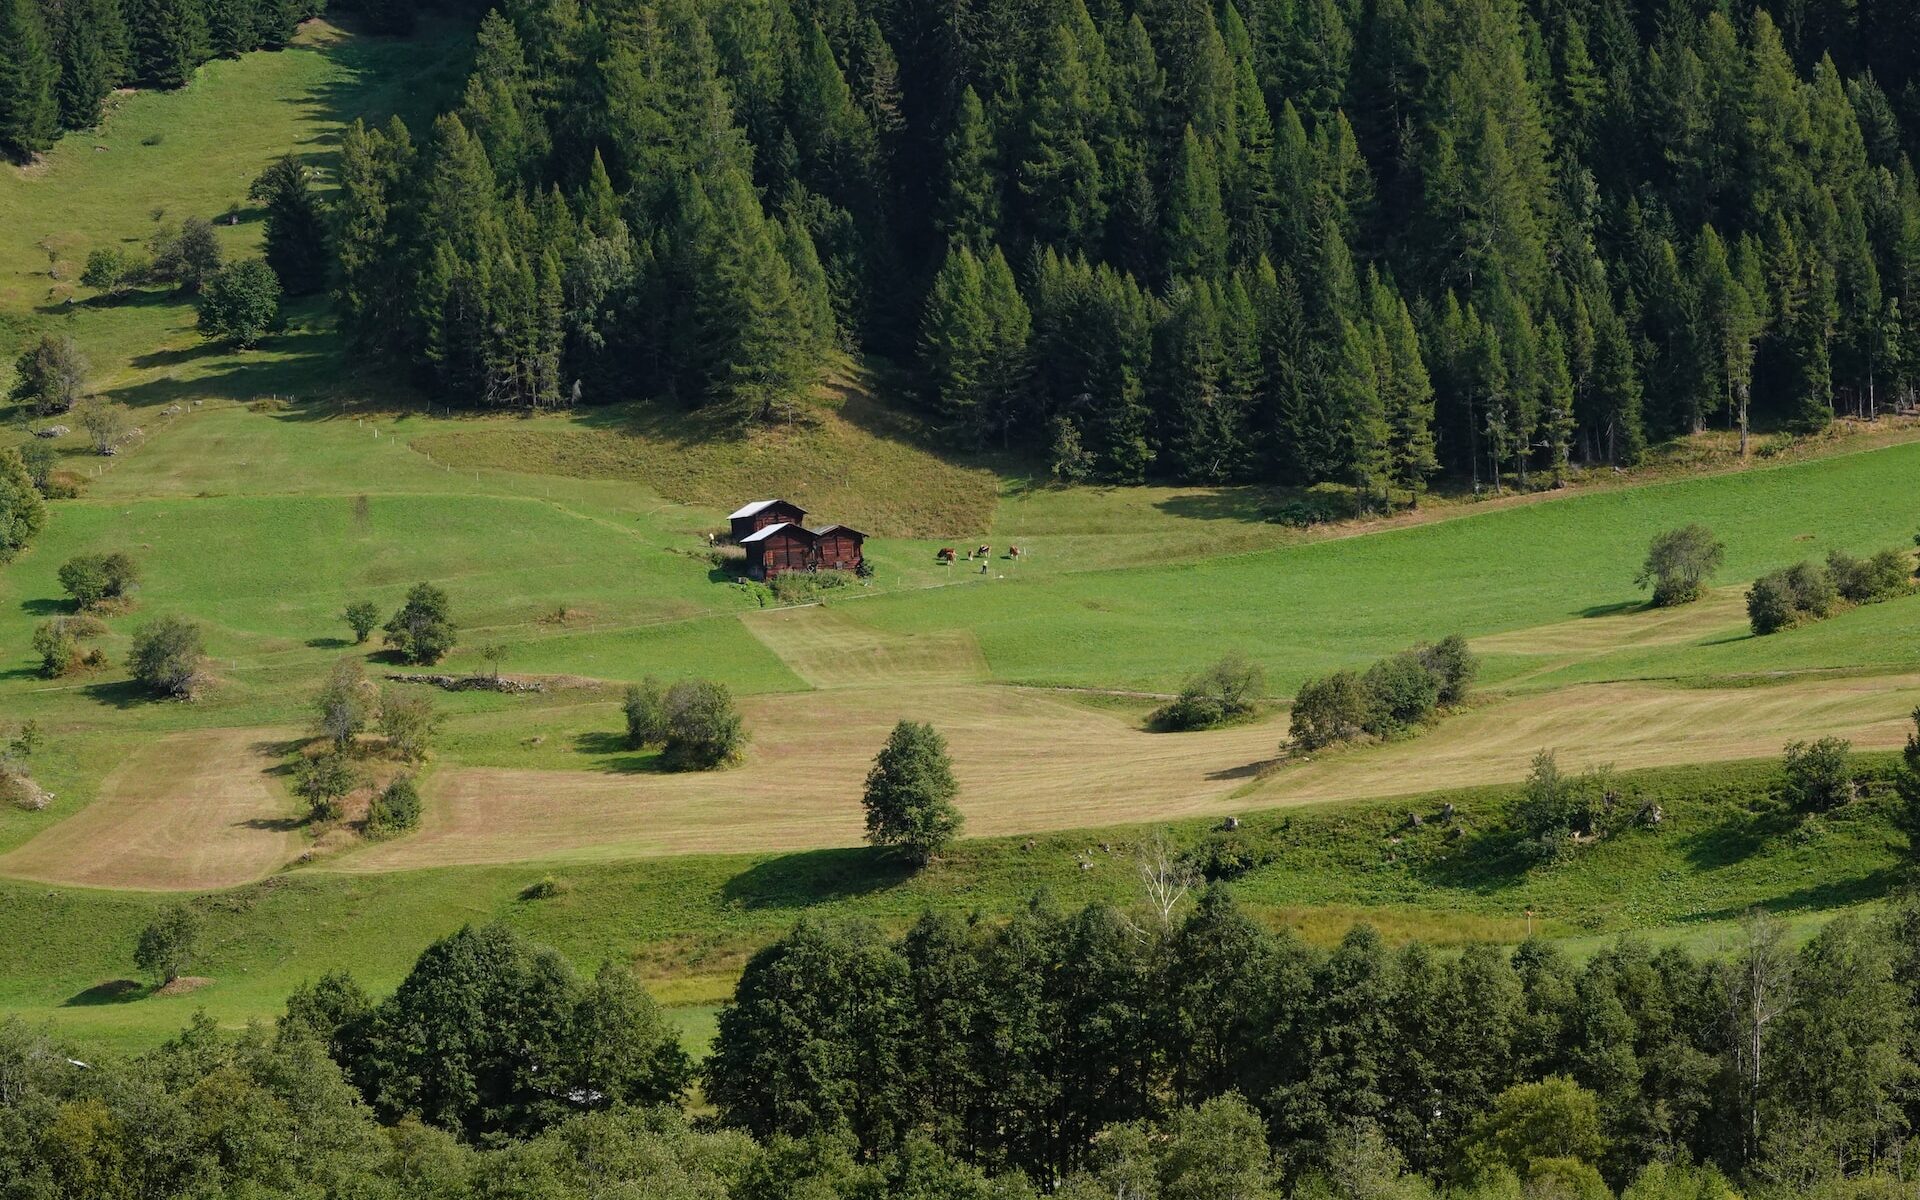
x: 1627, y: 725
x: 1633, y: 627
x: 1026, y: 762
x: 830, y: 649
x: 183, y: 813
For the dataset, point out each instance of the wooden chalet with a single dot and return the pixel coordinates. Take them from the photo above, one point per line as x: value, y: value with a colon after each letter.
x: 776, y: 546
x: 761, y: 514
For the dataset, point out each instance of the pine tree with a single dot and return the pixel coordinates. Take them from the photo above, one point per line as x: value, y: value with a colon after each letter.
x: 370, y: 231
x: 90, y: 30
x: 29, y: 110
x: 1196, y: 237
x: 230, y: 27
x: 1059, y: 174
x: 1616, y: 390
x: 1010, y: 329
x: 1556, y: 401
x: 1406, y: 393
x: 753, y: 356
x: 296, y: 232
x: 956, y: 342
x: 169, y: 39
x: 970, y: 205
x: 1353, y: 385
x: 275, y: 23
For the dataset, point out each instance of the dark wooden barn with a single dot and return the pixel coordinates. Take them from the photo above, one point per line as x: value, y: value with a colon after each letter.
x: 779, y: 549
x: 762, y: 513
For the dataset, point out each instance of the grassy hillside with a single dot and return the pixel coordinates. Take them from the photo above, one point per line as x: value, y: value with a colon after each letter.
x: 686, y: 923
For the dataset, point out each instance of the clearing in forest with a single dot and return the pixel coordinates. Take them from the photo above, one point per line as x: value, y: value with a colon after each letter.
x: 184, y: 812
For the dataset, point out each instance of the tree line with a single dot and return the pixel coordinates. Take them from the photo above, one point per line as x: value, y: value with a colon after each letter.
x: 1296, y: 241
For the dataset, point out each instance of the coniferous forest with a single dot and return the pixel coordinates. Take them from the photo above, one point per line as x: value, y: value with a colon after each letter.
x: 1284, y: 241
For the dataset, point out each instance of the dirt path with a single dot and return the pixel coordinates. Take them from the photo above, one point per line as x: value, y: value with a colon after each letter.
x: 186, y: 812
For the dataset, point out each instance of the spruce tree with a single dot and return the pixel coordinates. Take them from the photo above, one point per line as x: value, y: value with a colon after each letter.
x: 1406, y: 394
x: 1353, y: 385
x: 168, y: 40
x: 230, y: 27
x: 1556, y: 402
x: 29, y: 109
x: 753, y: 355
x: 970, y: 203
x: 1196, y: 237
x: 1010, y: 329
x: 1616, y: 390
x: 296, y: 239
x: 90, y: 31
x: 1058, y: 174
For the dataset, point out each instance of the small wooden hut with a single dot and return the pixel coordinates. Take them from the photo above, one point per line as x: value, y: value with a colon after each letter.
x: 761, y: 514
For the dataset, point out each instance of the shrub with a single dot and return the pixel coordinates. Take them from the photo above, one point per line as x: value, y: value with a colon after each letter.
x: 1401, y: 693
x: 1812, y: 588
x: 22, y: 511
x: 240, y: 303
x: 1333, y: 708
x: 645, y: 707
x: 166, y: 655
x: 1817, y: 777
x: 1452, y: 665
x: 166, y: 946
x: 544, y: 888
x: 909, y: 794
x: 1867, y: 580
x: 39, y: 460
x: 703, y: 727
x: 1679, y: 563
x: 107, y: 424
x: 112, y: 270
x: 407, y: 720
x: 363, y: 618
x: 396, y: 809
x: 186, y: 257
x: 1785, y: 598
x: 84, y: 578
x: 1554, y: 808
x: 1224, y: 857
x: 324, y: 780
x: 1226, y: 691
x: 422, y: 630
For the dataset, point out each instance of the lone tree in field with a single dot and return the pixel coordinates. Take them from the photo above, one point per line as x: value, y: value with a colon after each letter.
x: 166, y: 946
x: 22, y: 512
x: 93, y: 579
x: 407, y: 721
x: 107, y: 424
x: 1224, y: 692
x: 344, y: 702
x: 703, y: 726
x: 422, y: 631
x: 363, y: 617
x: 111, y: 271
x: 186, y: 257
x: 396, y: 809
x: 910, y: 793
x: 1679, y: 563
x: 240, y: 303
x: 51, y: 375
x: 166, y: 655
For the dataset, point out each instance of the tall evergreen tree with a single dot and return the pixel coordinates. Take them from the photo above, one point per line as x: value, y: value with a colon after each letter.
x: 29, y: 109
x: 169, y: 39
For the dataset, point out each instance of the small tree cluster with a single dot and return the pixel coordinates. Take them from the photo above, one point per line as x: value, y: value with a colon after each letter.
x: 1783, y: 599
x: 1226, y: 691
x: 326, y: 779
x: 1882, y: 575
x: 694, y: 722
x: 167, y: 655
x: 51, y: 375
x: 910, y: 792
x: 1817, y: 776
x: 347, y: 704
x: 22, y: 511
x: 57, y: 642
x: 363, y: 617
x: 92, y: 580
x: 112, y: 270
x: 1556, y: 810
x: 1679, y: 563
x: 186, y: 257
x: 422, y: 631
x: 1393, y: 695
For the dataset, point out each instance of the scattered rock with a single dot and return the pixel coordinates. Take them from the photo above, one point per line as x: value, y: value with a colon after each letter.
x: 183, y: 985
x: 52, y: 431
x: 1446, y: 811
x: 1651, y: 814
x: 1228, y: 825
x: 173, y: 410
x: 1415, y: 821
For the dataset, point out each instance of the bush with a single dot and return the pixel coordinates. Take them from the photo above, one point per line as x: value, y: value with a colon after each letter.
x: 1224, y: 692
x: 1555, y: 809
x: 363, y: 618
x: 396, y: 809
x: 1225, y: 857
x: 1333, y: 708
x: 544, y: 888
x: 112, y: 270
x: 345, y: 699
x: 107, y: 424
x: 422, y: 631
x: 186, y: 257
x: 1817, y: 777
x: 1401, y: 693
x: 703, y: 727
x: 645, y: 706
x: 84, y: 578
x: 1868, y: 580
x: 407, y: 720
x: 1453, y: 666
x: 1804, y: 591
x: 166, y: 656
x: 324, y: 780
x: 22, y: 511
x: 1679, y: 563
x: 57, y: 642
x: 240, y: 304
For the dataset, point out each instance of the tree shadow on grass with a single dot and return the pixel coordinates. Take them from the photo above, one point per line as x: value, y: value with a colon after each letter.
x: 812, y: 877
x: 113, y: 991
x: 273, y: 824
x: 1252, y: 770
x: 1249, y: 504
x: 1613, y: 610
x: 328, y: 643
x: 617, y: 756
x: 45, y: 606
x: 123, y: 694
x: 1737, y: 838
x: 175, y: 357
x: 1832, y: 893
